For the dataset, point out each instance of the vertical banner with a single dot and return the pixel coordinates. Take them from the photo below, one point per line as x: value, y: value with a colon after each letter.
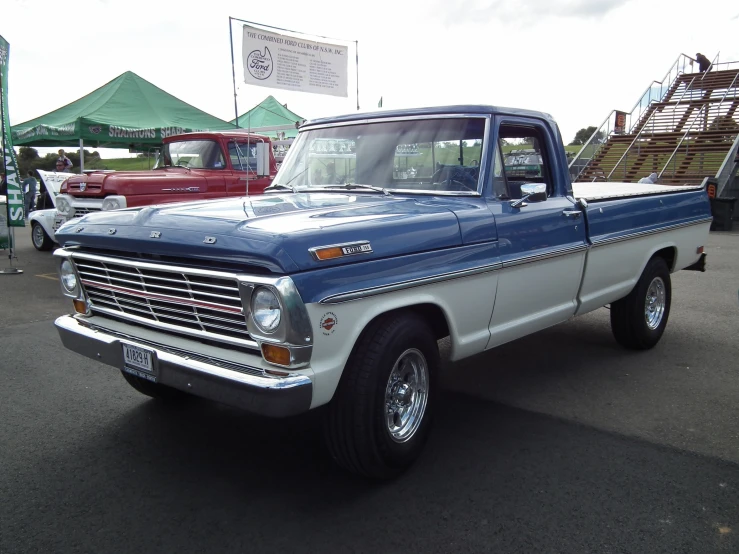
x: 10, y: 165
x: 620, y: 126
x: 280, y: 61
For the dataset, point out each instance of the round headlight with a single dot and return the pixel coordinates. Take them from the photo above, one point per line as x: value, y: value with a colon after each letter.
x: 265, y: 309
x: 111, y: 204
x: 68, y: 276
x: 63, y: 206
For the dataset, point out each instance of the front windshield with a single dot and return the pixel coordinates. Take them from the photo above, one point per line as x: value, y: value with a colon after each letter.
x: 199, y: 154
x: 423, y: 155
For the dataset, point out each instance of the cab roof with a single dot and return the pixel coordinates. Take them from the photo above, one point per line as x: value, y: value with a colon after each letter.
x: 235, y: 134
x: 464, y: 109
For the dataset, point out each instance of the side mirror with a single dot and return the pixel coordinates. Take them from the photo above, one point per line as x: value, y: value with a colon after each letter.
x: 531, y: 192
x: 262, y: 159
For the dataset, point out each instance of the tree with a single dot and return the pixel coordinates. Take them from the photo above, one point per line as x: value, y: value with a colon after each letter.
x: 27, y: 153
x: 582, y: 136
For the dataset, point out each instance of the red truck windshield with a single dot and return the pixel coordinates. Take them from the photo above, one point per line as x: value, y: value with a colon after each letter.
x: 197, y: 154
x: 207, y: 154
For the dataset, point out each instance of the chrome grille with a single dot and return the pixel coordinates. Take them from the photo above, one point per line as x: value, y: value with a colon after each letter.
x: 80, y: 211
x: 174, y: 299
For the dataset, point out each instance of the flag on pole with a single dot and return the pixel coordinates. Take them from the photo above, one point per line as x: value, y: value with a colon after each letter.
x: 10, y: 165
x: 379, y: 104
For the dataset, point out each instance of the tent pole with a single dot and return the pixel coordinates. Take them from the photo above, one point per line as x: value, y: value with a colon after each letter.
x: 233, y: 69
x: 82, y: 156
x: 356, y: 51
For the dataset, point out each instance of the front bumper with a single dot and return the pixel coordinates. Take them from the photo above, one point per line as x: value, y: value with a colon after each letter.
x: 241, y: 386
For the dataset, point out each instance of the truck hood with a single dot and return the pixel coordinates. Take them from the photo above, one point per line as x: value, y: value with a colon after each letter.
x: 273, y: 232
x: 129, y: 183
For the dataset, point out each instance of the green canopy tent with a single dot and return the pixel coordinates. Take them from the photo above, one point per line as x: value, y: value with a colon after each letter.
x: 268, y: 117
x: 126, y: 112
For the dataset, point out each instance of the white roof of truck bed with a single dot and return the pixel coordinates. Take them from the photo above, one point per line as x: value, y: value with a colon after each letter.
x: 603, y: 191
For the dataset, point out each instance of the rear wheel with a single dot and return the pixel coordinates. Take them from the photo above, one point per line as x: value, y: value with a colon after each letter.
x: 380, y: 416
x: 639, y: 319
x: 41, y: 241
x: 154, y: 390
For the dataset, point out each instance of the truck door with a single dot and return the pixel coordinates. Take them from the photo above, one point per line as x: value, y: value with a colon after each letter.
x: 542, y: 240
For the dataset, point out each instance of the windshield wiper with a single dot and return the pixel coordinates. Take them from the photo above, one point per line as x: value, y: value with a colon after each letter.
x: 350, y: 186
x: 281, y: 186
x: 287, y: 185
x: 183, y: 166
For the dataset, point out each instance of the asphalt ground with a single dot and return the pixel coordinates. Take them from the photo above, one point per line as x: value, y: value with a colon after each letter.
x: 558, y: 442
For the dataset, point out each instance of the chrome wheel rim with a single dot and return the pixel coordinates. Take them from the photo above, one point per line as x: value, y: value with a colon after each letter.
x: 406, y: 395
x: 38, y: 235
x: 654, y: 304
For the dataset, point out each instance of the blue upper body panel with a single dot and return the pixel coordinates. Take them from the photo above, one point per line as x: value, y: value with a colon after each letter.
x: 276, y: 232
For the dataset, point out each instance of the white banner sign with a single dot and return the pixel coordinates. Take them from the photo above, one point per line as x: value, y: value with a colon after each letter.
x: 280, y: 61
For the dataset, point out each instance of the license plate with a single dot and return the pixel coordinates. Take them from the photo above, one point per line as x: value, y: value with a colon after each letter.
x: 139, y: 361
x: 59, y: 221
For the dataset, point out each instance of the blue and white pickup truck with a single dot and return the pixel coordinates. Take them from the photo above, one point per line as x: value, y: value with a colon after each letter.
x: 381, y: 234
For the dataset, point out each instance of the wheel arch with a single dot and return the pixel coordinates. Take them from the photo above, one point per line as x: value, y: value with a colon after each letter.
x: 669, y: 254
x: 331, y: 351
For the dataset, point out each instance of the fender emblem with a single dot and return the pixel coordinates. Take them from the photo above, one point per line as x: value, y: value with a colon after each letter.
x: 111, y: 231
x: 210, y: 240
x: 155, y: 235
x: 78, y: 229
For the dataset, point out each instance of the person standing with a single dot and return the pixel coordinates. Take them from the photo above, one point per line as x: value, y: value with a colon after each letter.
x: 30, y: 186
x: 66, y: 163
x: 703, y: 62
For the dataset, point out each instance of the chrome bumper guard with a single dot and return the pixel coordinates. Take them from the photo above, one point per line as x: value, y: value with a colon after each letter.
x: 252, y: 392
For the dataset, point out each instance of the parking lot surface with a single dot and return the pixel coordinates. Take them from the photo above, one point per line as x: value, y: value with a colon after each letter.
x: 558, y: 442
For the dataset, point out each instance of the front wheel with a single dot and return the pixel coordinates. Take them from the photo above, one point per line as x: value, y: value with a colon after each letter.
x: 639, y: 319
x: 380, y: 416
x: 41, y: 241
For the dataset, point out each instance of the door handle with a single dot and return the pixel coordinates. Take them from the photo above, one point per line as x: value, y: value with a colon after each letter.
x: 572, y: 213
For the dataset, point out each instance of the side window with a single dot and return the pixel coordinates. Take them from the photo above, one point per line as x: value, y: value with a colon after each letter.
x: 525, y: 158
x: 500, y: 186
x: 243, y: 156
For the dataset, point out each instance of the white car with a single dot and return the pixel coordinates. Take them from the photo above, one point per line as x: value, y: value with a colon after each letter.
x: 44, y: 223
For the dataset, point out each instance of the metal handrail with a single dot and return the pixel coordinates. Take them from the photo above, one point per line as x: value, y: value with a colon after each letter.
x: 649, y: 88
x: 591, y: 138
x: 630, y: 145
x: 679, y: 144
x: 674, y: 67
x: 674, y: 108
x: 715, y: 60
x: 736, y: 62
x: 723, y: 98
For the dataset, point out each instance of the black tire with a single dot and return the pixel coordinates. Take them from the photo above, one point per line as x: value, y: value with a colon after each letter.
x: 629, y: 316
x: 41, y: 241
x: 357, y: 433
x: 154, y: 390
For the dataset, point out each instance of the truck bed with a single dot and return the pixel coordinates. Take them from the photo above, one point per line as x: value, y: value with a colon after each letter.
x: 610, y: 190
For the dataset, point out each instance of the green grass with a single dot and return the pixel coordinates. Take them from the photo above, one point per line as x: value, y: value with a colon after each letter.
x: 121, y: 164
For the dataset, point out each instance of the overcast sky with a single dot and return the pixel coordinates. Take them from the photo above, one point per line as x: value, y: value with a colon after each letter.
x: 575, y: 59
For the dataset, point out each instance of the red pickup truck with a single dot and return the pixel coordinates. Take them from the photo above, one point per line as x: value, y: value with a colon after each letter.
x: 191, y: 166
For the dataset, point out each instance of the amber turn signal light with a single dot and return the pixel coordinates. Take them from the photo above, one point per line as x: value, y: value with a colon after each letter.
x: 276, y: 354
x: 329, y: 253
x: 80, y: 306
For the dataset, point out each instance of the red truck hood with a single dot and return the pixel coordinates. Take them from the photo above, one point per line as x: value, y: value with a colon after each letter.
x: 130, y: 183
